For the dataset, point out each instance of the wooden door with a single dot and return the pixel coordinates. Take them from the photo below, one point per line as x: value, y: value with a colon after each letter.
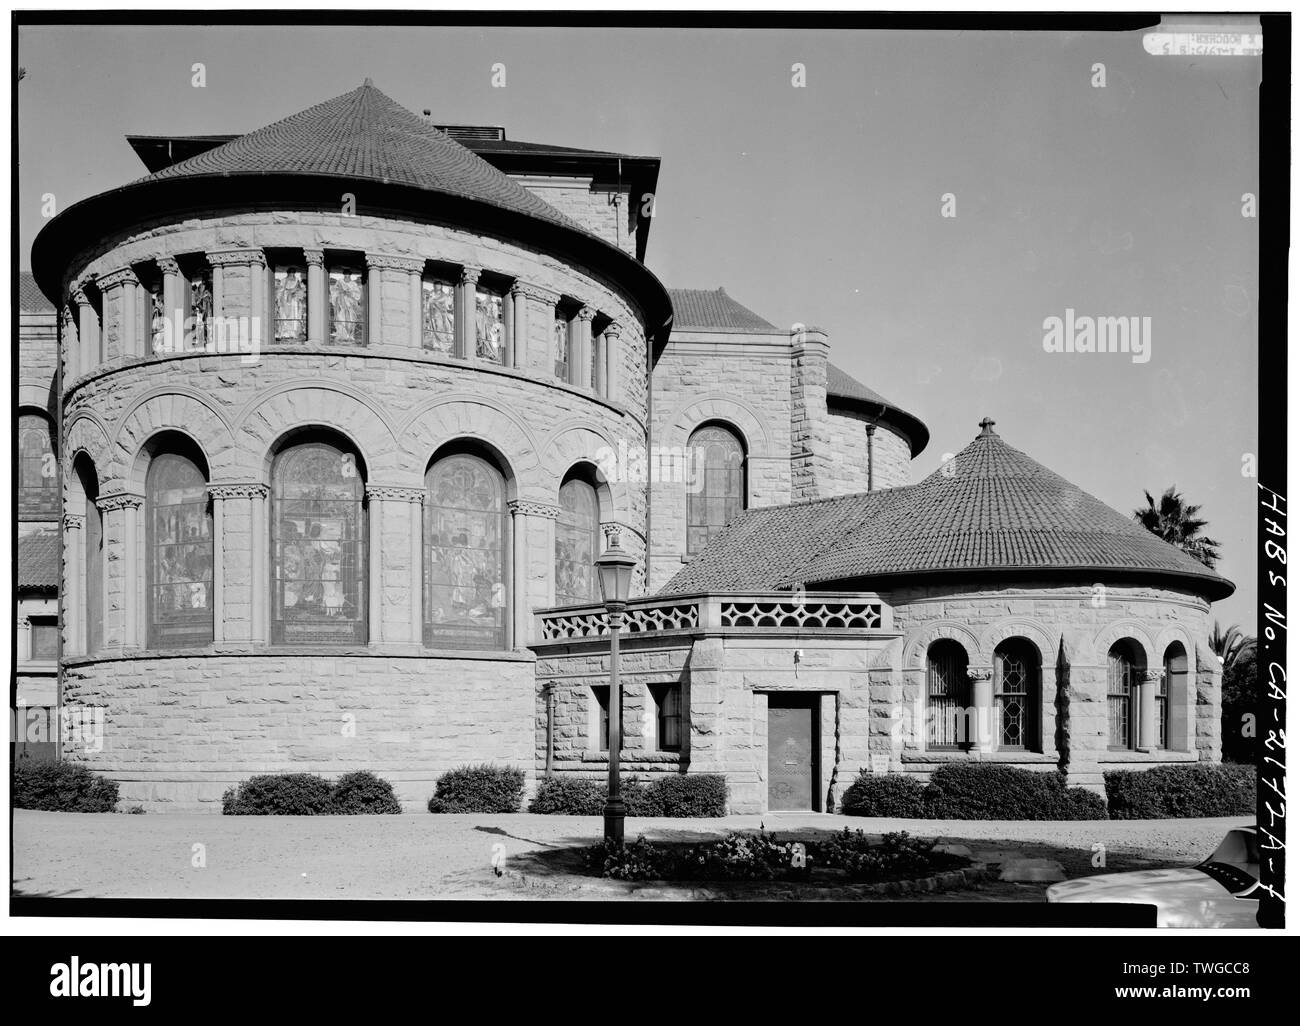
x: 792, y: 743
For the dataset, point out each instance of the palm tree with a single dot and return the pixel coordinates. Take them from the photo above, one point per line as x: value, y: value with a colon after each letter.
x: 1176, y: 522
x: 1232, y: 644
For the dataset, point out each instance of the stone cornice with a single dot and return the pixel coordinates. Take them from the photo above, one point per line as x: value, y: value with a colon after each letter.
x: 119, y: 500
x: 395, y: 493
x: 528, y: 508
x: 247, y: 490
x: 540, y: 294
x: 394, y: 263
x: 124, y: 276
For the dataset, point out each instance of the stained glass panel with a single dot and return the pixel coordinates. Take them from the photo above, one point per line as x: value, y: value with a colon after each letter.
x: 713, y: 502
x: 319, y: 552
x: 290, y: 304
x: 577, y: 545
x: 465, y: 555
x: 347, y: 299
x: 947, y: 695
x: 489, y: 326
x: 200, y: 326
x: 180, y: 553
x: 157, y: 317
x: 38, y: 470
x: 439, y: 303
x: 561, y: 348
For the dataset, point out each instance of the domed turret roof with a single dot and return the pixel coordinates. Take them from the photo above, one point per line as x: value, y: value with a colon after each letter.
x: 991, y: 509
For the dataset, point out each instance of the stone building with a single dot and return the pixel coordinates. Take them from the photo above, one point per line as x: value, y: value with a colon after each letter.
x: 350, y: 403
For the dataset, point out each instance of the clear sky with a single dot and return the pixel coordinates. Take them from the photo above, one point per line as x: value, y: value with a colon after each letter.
x: 822, y: 204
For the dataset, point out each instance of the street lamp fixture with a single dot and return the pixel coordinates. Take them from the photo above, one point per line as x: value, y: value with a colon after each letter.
x: 614, y: 572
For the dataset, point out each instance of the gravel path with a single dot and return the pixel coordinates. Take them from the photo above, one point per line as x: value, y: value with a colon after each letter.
x: 423, y: 856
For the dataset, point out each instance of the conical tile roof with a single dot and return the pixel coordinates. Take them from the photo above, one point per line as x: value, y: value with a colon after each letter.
x: 365, y: 134
x: 991, y: 508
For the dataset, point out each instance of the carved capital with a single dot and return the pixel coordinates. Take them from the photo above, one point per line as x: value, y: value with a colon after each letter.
x: 238, y: 491
x: 314, y: 257
x: 587, y: 313
x: 125, y: 276
x: 540, y: 294
x: 24, y: 624
x: 613, y: 330
x: 528, y: 508
x: 394, y: 493
x: 979, y: 673
x: 168, y: 265
x: 1152, y: 676
x: 469, y: 275
x: 241, y: 257
x: 518, y: 289
x: 119, y: 500
x: 73, y: 521
x: 79, y: 297
x: 394, y: 263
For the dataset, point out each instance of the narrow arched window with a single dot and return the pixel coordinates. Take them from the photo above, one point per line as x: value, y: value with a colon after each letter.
x: 38, y: 470
x: 947, y: 690
x: 1016, y: 694
x: 715, y: 488
x: 319, y: 551
x: 1173, y: 690
x: 1121, y: 694
x: 577, y: 532
x: 179, y: 539
x: 465, y: 590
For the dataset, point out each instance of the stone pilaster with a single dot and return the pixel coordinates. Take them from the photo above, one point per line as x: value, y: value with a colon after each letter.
x: 809, y: 442
x: 1148, y: 741
x: 396, y: 563
x: 119, y: 292
x: 88, y: 350
x: 612, y: 362
x: 122, y: 567
x: 173, y: 303
x: 517, y: 353
x: 533, y: 563
x: 73, y: 590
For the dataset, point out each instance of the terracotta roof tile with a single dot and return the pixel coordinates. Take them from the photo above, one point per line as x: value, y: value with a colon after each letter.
x: 700, y: 308
x: 30, y: 298
x: 38, y: 561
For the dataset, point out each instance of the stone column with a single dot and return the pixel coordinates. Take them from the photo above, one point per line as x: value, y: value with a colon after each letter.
x: 465, y: 312
x: 317, y: 297
x: 173, y: 305
x: 240, y: 582
x: 258, y: 575
x: 982, y: 698
x: 87, y: 331
x: 1148, y: 741
x: 122, y: 567
x: 118, y: 290
x: 71, y: 340
x: 374, y: 301
x: 612, y: 362
x: 218, y: 288
x: 72, y: 594
x: 580, y: 352
x: 375, y: 564
x: 599, y: 363
x: 519, y: 342
x: 507, y: 330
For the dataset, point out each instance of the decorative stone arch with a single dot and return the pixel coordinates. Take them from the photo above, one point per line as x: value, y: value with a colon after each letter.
x: 463, y: 417
x: 918, y: 642
x: 1179, y: 633
x: 134, y: 479
x: 184, y: 411
x: 1128, y: 627
x: 1018, y: 627
x: 725, y: 409
x: 35, y: 397
x: 85, y: 433
x: 574, y: 444
x: 312, y: 403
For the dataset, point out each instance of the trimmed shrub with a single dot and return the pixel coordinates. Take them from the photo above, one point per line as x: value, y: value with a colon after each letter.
x: 278, y: 794
x: 51, y: 786
x: 363, y: 794
x: 482, y: 788
x: 691, y: 796
x: 987, y: 790
x: 1171, y: 792
x: 677, y: 795
x: 892, y: 795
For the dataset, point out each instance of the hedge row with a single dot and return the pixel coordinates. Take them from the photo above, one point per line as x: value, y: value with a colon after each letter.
x: 52, y: 786
x: 675, y: 795
x: 981, y: 790
x: 305, y: 794
x: 478, y: 789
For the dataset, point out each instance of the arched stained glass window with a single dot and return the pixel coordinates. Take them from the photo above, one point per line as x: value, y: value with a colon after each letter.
x: 438, y: 300
x: 347, y: 305
x: 489, y: 325
x: 947, y: 691
x: 577, y: 532
x: 38, y: 469
x: 179, y: 537
x: 1015, y: 694
x: 717, y: 460
x: 561, y: 336
x: 318, y: 547
x: 290, y: 303
x: 465, y: 594
x: 1121, y: 694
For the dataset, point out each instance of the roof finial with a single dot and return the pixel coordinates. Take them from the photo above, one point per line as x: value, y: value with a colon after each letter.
x: 987, y: 425
x: 368, y: 83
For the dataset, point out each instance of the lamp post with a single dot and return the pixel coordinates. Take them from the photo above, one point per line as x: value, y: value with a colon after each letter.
x: 614, y: 571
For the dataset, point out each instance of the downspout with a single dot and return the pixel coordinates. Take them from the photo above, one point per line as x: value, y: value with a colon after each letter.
x: 871, y: 450
x: 549, y: 692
